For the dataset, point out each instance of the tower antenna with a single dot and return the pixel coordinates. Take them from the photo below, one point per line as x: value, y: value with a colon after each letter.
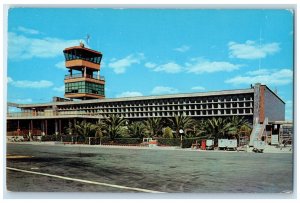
x: 87, y: 39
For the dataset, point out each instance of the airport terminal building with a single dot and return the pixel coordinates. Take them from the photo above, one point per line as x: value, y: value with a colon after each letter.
x: 85, y: 99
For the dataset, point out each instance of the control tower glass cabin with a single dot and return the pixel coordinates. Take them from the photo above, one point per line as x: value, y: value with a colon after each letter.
x: 83, y: 81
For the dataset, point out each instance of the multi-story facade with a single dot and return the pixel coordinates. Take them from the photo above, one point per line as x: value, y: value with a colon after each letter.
x: 255, y: 103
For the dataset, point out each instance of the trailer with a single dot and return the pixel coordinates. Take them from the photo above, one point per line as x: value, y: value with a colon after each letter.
x: 209, y: 144
x: 231, y: 145
x: 222, y: 144
x: 258, y: 146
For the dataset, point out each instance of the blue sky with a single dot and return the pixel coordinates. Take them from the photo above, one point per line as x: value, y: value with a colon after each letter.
x: 152, y: 51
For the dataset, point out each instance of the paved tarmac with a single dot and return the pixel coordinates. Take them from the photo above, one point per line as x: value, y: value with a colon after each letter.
x: 59, y: 168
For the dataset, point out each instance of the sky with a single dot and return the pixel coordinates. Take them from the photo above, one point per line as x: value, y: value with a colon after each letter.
x: 152, y: 51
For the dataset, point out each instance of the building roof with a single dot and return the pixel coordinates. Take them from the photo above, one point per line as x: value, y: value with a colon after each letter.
x: 139, y: 98
x: 83, y: 48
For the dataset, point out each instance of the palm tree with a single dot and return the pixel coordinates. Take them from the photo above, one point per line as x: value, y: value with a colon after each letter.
x: 217, y: 127
x: 236, y: 124
x: 69, y: 129
x: 181, y: 122
x: 153, y: 126
x: 137, y: 129
x: 85, y: 129
x: 199, y: 127
x: 113, y: 126
x: 99, y: 129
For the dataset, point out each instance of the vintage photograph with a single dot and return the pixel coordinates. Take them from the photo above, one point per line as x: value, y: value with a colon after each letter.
x: 150, y: 100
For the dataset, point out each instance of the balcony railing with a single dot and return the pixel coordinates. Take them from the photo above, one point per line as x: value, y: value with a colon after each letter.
x: 95, y: 77
x: 41, y: 114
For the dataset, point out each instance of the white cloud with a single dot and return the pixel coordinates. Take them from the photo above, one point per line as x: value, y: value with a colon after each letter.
x: 183, y: 48
x: 274, y: 77
x: 30, y: 84
x: 120, y: 65
x: 260, y: 72
x: 289, y: 110
x: 28, y: 30
x: 59, y: 89
x: 170, y: 67
x: 252, y: 50
x: 199, y: 66
x: 61, y: 65
x: 129, y: 94
x: 22, y: 101
x: 198, y: 88
x: 9, y: 79
x: 194, y: 65
x: 22, y: 47
x: 150, y: 65
x: 163, y: 90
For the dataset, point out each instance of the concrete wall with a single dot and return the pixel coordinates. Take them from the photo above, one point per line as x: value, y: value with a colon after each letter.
x: 274, y: 107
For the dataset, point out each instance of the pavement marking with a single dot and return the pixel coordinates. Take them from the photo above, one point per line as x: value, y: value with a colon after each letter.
x: 85, y: 181
x: 9, y: 156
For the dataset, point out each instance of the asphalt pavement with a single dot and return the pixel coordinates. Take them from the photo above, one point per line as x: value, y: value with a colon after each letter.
x: 59, y: 168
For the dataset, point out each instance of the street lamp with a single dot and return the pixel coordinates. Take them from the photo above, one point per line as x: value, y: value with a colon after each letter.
x: 181, y: 132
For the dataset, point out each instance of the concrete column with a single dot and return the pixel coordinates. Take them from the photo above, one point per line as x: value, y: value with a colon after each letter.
x: 29, y: 131
x: 59, y: 124
x: 18, y: 128
x: 56, y: 127
x: 46, y: 127
x: 31, y: 126
x: 43, y: 127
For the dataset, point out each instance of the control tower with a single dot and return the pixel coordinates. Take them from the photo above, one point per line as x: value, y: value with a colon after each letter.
x: 83, y: 81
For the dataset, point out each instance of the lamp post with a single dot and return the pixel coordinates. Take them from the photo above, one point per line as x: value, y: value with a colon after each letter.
x: 180, y: 132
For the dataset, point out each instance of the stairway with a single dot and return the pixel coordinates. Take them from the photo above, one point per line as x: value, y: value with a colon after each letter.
x: 257, y: 131
x: 255, y: 134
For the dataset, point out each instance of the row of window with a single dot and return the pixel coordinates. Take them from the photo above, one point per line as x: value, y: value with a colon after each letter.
x: 188, y: 113
x: 72, y: 55
x: 188, y: 101
x: 202, y: 112
x: 82, y: 84
x: 175, y: 107
x: 84, y: 87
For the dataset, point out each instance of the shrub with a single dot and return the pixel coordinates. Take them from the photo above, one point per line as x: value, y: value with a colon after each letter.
x: 130, y: 141
x: 168, y: 141
x: 168, y: 133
